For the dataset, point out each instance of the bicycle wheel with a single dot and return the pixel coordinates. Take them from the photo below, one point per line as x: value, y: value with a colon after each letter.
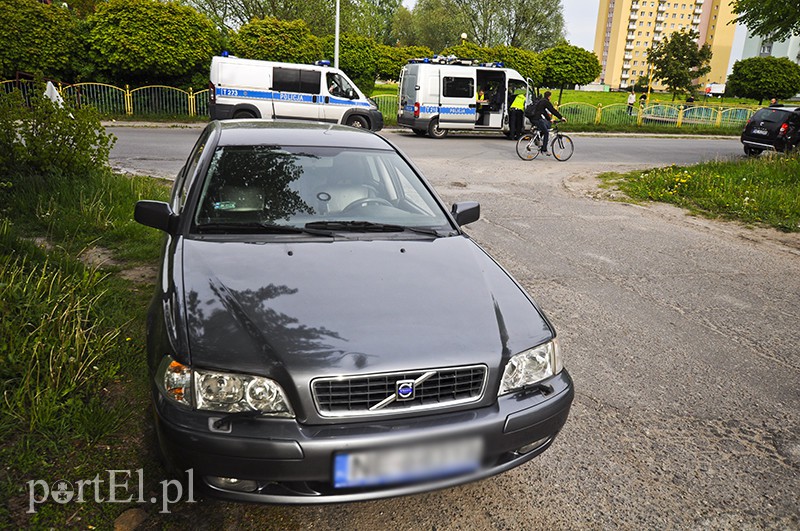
x: 562, y: 147
x: 526, y: 148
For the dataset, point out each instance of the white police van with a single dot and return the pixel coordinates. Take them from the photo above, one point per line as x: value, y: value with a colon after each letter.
x: 446, y: 93
x: 247, y: 88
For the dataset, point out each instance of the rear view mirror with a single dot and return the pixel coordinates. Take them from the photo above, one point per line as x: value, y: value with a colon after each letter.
x: 466, y: 212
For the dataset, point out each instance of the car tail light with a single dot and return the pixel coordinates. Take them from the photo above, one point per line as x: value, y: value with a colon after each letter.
x: 784, y: 128
x: 416, y: 110
x: 212, y: 92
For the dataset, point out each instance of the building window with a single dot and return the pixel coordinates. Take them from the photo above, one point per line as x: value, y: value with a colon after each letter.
x: 766, y: 49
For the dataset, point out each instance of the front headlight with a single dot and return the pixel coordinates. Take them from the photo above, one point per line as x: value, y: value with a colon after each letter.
x: 531, y: 366
x: 231, y: 393
x: 221, y: 391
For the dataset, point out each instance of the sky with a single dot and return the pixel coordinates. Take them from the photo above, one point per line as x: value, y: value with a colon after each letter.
x: 580, y: 17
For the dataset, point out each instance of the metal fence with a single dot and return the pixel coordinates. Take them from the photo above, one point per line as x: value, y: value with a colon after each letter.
x: 664, y: 114
x: 109, y: 100
x: 161, y: 100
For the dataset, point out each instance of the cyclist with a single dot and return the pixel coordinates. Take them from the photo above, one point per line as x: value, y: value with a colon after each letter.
x: 541, y: 112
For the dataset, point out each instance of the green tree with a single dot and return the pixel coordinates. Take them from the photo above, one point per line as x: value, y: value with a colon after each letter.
x: 358, y: 58
x: 143, y: 41
x: 271, y: 39
x: 529, y: 24
x: 529, y: 64
x: 566, y: 65
x: 764, y: 77
x: 43, y: 41
x: 403, y: 30
x: 436, y: 25
x: 772, y: 19
x: 678, y: 61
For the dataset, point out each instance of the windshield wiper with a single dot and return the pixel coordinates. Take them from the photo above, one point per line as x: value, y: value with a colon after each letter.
x: 260, y: 227
x: 368, y: 226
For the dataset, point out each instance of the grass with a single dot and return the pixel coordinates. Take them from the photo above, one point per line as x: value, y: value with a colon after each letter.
x: 763, y: 191
x: 72, y: 367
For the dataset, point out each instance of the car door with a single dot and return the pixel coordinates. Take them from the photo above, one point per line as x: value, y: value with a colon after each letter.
x: 298, y: 93
x: 457, y: 101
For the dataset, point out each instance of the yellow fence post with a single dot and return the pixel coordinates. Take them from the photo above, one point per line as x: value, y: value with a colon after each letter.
x: 718, y: 121
x: 599, y: 115
x: 641, y: 115
x: 128, y: 101
x: 192, y: 110
x: 681, y: 109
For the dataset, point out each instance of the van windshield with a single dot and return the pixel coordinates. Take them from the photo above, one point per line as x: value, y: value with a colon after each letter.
x: 338, y: 85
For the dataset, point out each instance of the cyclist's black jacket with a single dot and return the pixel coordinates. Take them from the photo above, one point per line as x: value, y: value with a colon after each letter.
x: 544, y: 105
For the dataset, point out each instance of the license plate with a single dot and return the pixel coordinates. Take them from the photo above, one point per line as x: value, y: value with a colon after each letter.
x: 407, y: 463
x: 757, y: 131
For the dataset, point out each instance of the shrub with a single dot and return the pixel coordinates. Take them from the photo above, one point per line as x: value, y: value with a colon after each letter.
x: 392, y: 58
x: 145, y: 41
x: 41, y: 139
x: 43, y: 40
x: 270, y: 39
x: 358, y: 58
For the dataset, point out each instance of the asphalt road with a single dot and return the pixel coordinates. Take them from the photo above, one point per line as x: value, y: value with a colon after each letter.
x: 681, y: 335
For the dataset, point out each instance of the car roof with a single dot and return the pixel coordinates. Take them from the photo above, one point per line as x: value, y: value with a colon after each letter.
x: 296, y: 133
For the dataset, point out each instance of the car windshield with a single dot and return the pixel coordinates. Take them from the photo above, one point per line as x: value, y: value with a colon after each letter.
x: 278, y: 186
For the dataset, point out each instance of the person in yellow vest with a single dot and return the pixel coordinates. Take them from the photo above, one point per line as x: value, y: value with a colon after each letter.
x: 516, y: 115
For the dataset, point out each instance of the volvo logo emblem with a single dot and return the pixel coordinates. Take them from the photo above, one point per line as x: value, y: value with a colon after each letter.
x: 405, y: 389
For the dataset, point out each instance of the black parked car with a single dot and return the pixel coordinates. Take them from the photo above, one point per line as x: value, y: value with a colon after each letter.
x: 323, y: 330
x: 772, y: 128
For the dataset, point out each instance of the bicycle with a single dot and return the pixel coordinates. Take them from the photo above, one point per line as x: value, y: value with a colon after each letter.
x: 530, y: 144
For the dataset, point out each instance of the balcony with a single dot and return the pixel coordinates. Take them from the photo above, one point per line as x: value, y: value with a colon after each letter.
x: 698, y: 2
x: 632, y: 26
x: 659, y: 28
x: 635, y: 6
x: 698, y: 11
x: 696, y: 20
x: 630, y: 36
x: 628, y: 56
x: 634, y: 16
x: 629, y: 46
x: 662, y: 8
x: 657, y: 38
x: 626, y: 66
x: 660, y: 18
x: 626, y: 75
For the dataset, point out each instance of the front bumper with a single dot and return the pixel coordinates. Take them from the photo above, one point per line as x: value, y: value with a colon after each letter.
x: 292, y: 463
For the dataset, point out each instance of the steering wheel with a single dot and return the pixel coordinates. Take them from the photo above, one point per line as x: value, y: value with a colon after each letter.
x: 366, y: 201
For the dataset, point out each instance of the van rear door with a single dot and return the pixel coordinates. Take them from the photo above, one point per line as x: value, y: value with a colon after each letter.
x: 408, y: 96
x: 457, y: 100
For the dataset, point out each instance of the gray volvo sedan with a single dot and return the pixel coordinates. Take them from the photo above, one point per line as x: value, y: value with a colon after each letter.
x: 324, y: 331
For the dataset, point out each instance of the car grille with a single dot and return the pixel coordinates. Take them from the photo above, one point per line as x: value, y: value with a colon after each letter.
x: 376, y: 394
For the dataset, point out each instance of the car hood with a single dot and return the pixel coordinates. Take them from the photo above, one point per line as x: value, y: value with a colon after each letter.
x: 311, y: 308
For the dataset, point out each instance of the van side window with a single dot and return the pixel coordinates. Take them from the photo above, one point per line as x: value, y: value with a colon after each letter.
x: 458, y: 87
x: 295, y: 80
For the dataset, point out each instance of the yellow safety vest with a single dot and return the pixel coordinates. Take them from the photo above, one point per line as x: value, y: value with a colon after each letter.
x: 519, y: 102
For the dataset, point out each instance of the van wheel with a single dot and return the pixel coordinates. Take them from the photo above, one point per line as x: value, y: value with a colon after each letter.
x: 359, y: 122
x: 243, y: 114
x: 434, y: 131
x: 420, y: 132
x: 752, y: 152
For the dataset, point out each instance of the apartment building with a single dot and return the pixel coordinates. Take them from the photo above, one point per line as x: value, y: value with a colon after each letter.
x: 627, y: 28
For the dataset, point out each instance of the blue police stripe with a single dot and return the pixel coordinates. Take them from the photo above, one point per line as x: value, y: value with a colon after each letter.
x: 285, y: 96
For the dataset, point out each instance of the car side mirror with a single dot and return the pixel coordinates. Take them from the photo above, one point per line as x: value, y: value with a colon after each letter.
x: 156, y: 214
x: 466, y: 212
x: 351, y: 94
